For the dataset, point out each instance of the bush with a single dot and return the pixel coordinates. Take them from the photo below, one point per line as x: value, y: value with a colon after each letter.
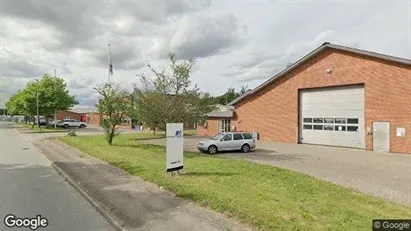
x: 71, y: 133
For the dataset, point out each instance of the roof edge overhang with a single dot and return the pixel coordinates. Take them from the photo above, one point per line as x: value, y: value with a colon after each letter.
x: 312, y: 54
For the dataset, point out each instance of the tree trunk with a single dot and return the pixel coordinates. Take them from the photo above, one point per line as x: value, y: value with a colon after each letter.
x: 110, y: 139
x: 111, y: 136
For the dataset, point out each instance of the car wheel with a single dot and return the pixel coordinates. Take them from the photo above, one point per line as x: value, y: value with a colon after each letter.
x: 245, y: 148
x: 82, y: 126
x: 212, y: 149
x: 65, y: 126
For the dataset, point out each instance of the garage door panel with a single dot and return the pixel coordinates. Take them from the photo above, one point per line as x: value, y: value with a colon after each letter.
x: 343, y: 103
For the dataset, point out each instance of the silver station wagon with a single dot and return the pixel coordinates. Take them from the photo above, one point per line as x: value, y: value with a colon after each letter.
x: 228, y: 141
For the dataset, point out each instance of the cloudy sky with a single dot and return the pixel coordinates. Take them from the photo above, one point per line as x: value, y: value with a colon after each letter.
x: 235, y: 42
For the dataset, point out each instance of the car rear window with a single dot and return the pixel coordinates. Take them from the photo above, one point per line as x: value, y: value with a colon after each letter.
x: 238, y: 136
x: 247, y: 136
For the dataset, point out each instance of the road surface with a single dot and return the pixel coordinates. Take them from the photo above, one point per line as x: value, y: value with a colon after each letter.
x: 29, y: 186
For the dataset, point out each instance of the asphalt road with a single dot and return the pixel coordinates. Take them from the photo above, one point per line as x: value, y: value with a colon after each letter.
x: 29, y: 186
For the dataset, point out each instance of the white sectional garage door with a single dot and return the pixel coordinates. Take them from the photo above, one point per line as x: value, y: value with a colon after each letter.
x: 333, y: 116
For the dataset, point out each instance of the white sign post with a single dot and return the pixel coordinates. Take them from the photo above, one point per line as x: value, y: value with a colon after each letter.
x: 175, y: 146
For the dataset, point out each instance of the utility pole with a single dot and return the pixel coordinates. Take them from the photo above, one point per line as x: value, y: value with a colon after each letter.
x: 55, y: 112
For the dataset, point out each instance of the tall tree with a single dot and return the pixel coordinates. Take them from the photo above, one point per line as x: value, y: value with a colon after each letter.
x: 170, y: 97
x: 230, y: 95
x: 115, y: 106
x: 52, y: 96
x: 244, y: 90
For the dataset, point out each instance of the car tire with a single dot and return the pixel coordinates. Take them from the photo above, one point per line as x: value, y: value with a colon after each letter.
x: 245, y: 148
x: 82, y: 126
x: 65, y: 126
x: 212, y: 149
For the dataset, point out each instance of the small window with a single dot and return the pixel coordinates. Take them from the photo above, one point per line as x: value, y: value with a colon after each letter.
x: 247, y: 136
x: 318, y: 120
x: 352, y: 128
x: 227, y: 137
x: 308, y: 120
x: 352, y: 121
x: 329, y: 120
x: 329, y: 127
x: 339, y: 128
x: 308, y: 127
x: 238, y: 136
x: 340, y: 120
x: 318, y: 127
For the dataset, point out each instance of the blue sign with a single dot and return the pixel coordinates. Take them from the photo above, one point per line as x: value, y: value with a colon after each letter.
x: 179, y: 133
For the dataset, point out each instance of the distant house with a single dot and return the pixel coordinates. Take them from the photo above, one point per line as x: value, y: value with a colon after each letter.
x: 218, y: 121
x: 81, y: 114
x: 88, y: 115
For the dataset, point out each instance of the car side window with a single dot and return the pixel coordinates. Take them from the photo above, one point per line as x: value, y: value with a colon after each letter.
x: 247, y: 136
x: 238, y: 136
x: 227, y: 137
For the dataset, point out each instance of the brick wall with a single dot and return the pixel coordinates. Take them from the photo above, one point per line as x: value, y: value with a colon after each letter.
x: 93, y: 118
x: 61, y: 115
x: 273, y: 111
x: 210, y: 130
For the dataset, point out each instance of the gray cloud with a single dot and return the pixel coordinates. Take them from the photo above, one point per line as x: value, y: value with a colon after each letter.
x: 202, y: 35
x: 262, y: 65
x: 236, y: 43
x: 80, y: 83
x: 18, y: 66
x: 91, y: 25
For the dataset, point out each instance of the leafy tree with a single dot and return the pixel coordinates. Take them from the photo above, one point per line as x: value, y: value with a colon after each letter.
x: 3, y: 111
x: 52, y: 94
x: 230, y: 95
x: 244, y: 90
x: 115, y: 106
x: 170, y: 97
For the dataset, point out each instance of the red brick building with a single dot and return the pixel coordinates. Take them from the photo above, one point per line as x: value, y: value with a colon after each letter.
x: 336, y: 96
x: 87, y: 115
x: 80, y: 114
x: 218, y: 121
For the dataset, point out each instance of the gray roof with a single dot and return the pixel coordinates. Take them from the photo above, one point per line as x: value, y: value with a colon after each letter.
x: 315, y: 52
x: 82, y: 110
x: 223, y: 111
x: 225, y: 114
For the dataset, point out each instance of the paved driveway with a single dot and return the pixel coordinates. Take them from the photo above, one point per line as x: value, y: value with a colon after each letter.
x: 385, y: 175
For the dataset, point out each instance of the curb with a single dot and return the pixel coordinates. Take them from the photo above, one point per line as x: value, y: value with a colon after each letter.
x: 117, y: 226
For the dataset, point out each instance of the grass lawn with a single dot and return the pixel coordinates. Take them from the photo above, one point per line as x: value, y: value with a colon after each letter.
x: 265, y: 197
x: 161, y: 134
x: 43, y: 129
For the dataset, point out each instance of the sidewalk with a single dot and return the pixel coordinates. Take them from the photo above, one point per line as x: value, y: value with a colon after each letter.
x: 129, y: 201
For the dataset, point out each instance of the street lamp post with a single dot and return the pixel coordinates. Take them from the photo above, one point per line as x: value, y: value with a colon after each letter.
x: 37, y: 96
x: 55, y: 112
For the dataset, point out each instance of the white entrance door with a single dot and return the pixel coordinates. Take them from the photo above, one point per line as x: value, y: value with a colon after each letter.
x: 224, y: 125
x: 381, y: 136
x: 333, y: 116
